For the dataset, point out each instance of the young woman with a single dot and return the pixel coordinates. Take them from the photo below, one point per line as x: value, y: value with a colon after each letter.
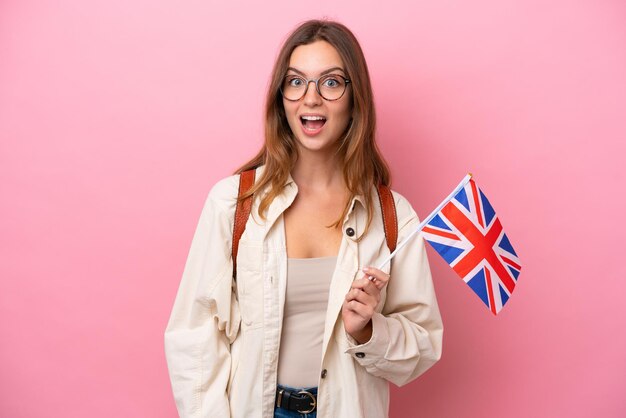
x: 304, y: 330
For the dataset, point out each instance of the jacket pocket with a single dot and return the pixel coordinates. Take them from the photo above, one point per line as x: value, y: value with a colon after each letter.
x: 250, y: 282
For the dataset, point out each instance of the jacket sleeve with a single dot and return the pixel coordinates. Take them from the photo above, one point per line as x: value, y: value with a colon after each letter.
x: 407, y: 334
x: 205, y: 318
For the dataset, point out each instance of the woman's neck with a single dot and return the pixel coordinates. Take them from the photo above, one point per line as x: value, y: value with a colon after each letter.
x: 318, y: 172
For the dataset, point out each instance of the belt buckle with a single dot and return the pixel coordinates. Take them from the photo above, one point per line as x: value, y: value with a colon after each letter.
x: 309, y: 394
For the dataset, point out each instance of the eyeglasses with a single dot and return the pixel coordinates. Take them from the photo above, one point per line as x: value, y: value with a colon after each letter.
x: 330, y: 87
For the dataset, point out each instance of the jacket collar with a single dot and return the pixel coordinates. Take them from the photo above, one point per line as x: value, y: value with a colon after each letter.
x: 290, y: 191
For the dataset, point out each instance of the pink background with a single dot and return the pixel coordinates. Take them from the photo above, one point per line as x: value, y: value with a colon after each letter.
x: 116, y: 117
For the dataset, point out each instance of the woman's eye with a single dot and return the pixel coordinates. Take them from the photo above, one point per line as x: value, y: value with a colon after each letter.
x: 331, y: 82
x: 296, y: 82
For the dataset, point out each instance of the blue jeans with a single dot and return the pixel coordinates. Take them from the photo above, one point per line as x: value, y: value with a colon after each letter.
x: 285, y: 413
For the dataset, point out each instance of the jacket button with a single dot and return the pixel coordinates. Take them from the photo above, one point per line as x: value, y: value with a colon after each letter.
x: 324, y: 372
x: 360, y: 355
x: 350, y: 232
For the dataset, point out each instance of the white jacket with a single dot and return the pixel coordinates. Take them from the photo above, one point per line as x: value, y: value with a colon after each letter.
x: 223, y: 336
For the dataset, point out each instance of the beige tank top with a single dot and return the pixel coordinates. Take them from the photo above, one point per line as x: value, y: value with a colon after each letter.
x: 306, y: 300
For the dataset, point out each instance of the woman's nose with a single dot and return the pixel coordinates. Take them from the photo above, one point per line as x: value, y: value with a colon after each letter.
x: 312, y: 97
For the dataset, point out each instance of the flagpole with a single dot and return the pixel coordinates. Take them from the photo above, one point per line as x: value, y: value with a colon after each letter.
x: 458, y: 188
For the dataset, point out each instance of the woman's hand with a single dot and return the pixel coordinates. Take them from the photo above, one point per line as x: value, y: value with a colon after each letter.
x: 360, y: 303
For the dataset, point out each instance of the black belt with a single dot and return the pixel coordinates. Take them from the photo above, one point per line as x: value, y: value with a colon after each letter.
x: 301, y: 401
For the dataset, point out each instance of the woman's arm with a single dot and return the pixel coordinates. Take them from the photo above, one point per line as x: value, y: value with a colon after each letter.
x: 406, y: 336
x: 205, y: 318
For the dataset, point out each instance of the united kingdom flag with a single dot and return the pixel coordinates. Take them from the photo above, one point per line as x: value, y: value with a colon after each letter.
x: 467, y: 233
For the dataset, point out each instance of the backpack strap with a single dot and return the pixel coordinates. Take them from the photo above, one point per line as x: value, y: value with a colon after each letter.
x: 242, y: 212
x: 390, y: 218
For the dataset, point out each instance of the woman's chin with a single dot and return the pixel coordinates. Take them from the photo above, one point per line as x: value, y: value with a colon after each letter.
x: 316, y: 145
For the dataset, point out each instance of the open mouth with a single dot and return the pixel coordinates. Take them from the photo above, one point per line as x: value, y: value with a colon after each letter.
x: 312, y: 123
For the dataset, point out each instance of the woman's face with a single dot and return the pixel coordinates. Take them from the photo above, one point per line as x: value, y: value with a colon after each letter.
x: 312, y: 133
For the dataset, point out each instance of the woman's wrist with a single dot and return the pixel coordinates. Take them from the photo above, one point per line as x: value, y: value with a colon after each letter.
x: 364, y: 334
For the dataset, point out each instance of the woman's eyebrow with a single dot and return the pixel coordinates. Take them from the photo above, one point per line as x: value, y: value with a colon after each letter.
x: 330, y: 70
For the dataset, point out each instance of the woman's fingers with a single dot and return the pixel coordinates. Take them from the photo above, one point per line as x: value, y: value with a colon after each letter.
x: 361, y: 303
x: 365, y: 298
x: 377, y: 274
x: 378, y: 277
x: 361, y: 309
x: 364, y: 295
x: 368, y: 286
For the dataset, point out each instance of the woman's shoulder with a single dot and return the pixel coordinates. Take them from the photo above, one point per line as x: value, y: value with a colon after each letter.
x: 225, y: 191
x: 222, y: 196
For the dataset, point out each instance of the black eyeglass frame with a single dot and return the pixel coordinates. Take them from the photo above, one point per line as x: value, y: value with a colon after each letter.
x: 317, y: 87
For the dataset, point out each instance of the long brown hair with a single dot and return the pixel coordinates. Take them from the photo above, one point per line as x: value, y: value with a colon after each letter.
x: 362, y: 163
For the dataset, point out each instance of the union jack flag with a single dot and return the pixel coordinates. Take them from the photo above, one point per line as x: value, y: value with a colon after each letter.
x: 467, y: 233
